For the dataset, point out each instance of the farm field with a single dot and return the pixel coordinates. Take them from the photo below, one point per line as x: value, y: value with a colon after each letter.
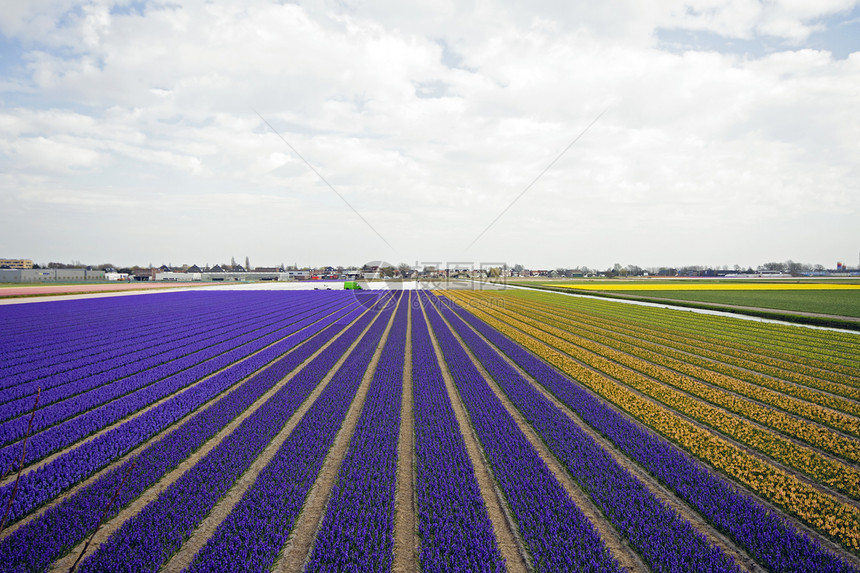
x: 12, y: 290
x: 833, y: 298
x: 416, y: 430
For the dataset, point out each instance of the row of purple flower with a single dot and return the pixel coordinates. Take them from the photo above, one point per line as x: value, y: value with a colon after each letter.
x: 201, y: 383
x: 455, y: 529
x: 255, y: 531
x: 114, y: 390
x: 230, y: 367
x: 767, y: 537
x: 557, y: 535
x: 356, y: 532
x: 122, y: 356
x: 101, y: 329
x: 54, y: 532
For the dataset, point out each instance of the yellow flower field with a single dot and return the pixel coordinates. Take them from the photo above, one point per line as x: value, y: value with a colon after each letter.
x: 664, y: 409
x: 681, y: 286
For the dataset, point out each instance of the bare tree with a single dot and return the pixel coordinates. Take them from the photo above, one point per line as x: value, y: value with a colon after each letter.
x: 794, y: 268
x: 781, y: 267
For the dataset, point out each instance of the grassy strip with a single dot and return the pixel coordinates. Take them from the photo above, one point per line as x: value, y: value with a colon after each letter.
x: 831, y: 322
x: 843, y: 302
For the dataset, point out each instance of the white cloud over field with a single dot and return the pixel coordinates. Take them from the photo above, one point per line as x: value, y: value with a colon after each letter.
x: 129, y: 131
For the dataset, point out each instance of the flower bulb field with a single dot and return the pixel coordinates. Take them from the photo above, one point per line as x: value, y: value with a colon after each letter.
x: 447, y: 430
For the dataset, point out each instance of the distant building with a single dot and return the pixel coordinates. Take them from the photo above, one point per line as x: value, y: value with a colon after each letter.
x: 16, y: 264
x: 143, y: 274
x: 49, y: 275
x: 297, y: 275
x: 218, y: 274
x: 177, y: 276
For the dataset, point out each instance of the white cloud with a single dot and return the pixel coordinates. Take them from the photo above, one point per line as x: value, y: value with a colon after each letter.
x: 31, y: 19
x: 51, y: 154
x: 429, y: 118
x: 790, y: 20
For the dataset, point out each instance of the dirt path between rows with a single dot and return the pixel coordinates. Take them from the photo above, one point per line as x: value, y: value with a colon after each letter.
x: 511, y: 546
x: 621, y: 550
x: 297, y: 550
x: 152, y: 493
x: 806, y: 529
x: 225, y: 505
x: 71, y: 447
x: 406, y: 541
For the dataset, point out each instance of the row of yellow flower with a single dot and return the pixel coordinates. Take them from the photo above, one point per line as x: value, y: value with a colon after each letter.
x: 838, y: 353
x: 833, y: 352
x: 790, y: 397
x: 661, y: 384
x: 810, y: 433
x: 791, y: 367
x: 814, y: 507
x: 765, y: 369
x: 613, y: 286
x: 828, y: 346
x: 738, y: 368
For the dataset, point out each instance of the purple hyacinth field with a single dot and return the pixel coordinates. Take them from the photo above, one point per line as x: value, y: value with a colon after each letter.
x: 435, y: 431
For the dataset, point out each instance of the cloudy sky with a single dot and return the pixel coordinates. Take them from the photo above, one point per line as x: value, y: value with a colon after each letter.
x: 136, y: 132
